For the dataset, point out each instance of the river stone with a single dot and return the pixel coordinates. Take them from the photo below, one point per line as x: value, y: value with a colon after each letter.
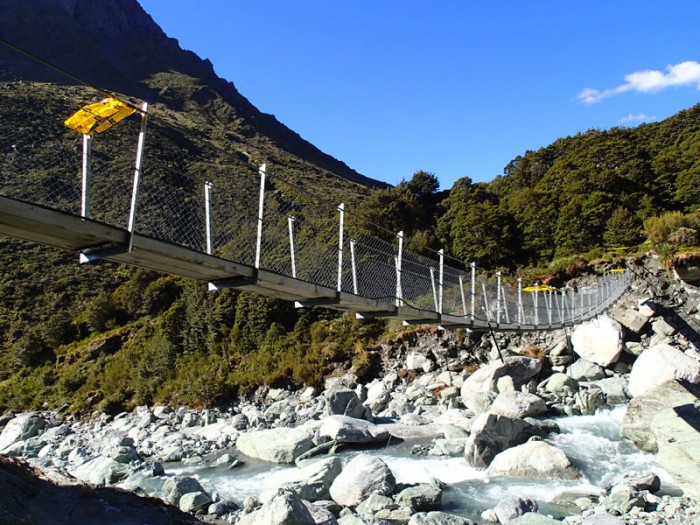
x: 286, y: 508
x: 176, y: 487
x: 518, y: 405
x: 534, y: 459
x: 101, y: 471
x: 659, y: 364
x: 312, y: 482
x: 278, y: 445
x: 378, y: 395
x: 478, y: 402
x: 532, y: 518
x: 20, y: 428
x: 630, y: 319
x: 636, y: 424
x: 194, y: 501
x: 375, y: 503
x: 492, y: 434
x: 423, y: 497
x: 561, y: 384
x: 362, y: 476
x: 584, y: 370
x: 521, y: 369
x: 418, y: 361
x: 346, y: 402
x: 344, y: 429
x: 602, y: 519
x: 615, y: 390
x: 510, y: 508
x: 661, y: 327
x: 677, y: 433
x: 599, y: 341
x: 438, y: 518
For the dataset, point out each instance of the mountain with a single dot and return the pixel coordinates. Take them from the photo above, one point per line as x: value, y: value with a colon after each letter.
x: 116, y: 45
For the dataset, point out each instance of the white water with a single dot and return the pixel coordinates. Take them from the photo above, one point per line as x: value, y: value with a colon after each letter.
x: 591, y: 442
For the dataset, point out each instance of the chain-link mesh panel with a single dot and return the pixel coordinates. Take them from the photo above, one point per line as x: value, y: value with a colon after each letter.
x: 419, y: 281
x: 375, y: 267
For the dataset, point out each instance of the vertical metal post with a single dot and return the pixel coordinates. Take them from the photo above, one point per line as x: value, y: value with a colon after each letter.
x: 341, y: 209
x: 399, y: 261
x: 442, y: 279
x: 573, y: 306
x: 435, y: 295
x: 207, y: 216
x: 521, y: 313
x: 473, y: 267
x: 498, y: 297
x: 290, y: 221
x: 464, y: 299
x: 581, y: 301
x: 261, y: 209
x: 486, y: 301
x: 137, y: 174
x: 548, y: 302
x: 354, y: 267
x: 537, y: 311
x: 87, y: 175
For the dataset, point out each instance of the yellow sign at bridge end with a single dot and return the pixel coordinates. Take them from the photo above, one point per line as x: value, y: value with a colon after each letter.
x: 99, y: 117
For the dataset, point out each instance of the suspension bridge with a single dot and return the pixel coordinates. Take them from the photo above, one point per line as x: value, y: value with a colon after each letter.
x: 80, y: 192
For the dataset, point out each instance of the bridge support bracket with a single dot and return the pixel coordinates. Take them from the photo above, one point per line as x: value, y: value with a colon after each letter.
x: 321, y: 301
x: 376, y: 315
x: 232, y: 282
x: 95, y: 253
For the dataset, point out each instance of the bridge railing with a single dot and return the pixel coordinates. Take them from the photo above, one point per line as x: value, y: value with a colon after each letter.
x: 251, y: 216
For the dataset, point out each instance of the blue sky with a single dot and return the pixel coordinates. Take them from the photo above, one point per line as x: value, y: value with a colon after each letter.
x: 454, y: 87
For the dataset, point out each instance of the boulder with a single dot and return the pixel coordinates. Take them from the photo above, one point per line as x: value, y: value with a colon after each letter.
x: 636, y: 424
x: 492, y: 434
x: 286, y: 508
x: 510, y: 508
x: 615, y: 390
x: 630, y: 319
x: 599, y: 341
x: 478, y: 402
x: 677, y: 433
x: 532, y: 518
x: 346, y: 402
x: 194, y: 501
x: 344, y: 429
x: 418, y: 361
x: 661, y: 327
x: 534, y: 459
x: 519, y: 368
x: 516, y: 404
x: 561, y: 384
x: 312, y: 482
x: 278, y: 445
x: 101, y: 471
x: 659, y: 364
x: 362, y: 476
x: 20, y: 428
x: 378, y: 395
x: 176, y: 487
x: 423, y: 497
x: 375, y: 503
x: 438, y: 518
x: 584, y: 370
x: 602, y: 518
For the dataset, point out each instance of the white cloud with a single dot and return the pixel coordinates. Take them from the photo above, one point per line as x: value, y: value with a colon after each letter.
x: 648, y: 81
x: 632, y: 118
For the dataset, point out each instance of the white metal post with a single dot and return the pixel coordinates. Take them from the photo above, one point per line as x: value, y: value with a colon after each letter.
x: 464, y: 299
x: 207, y: 216
x: 399, y: 259
x: 537, y: 311
x: 341, y: 209
x: 498, y: 297
x: 442, y: 279
x: 486, y: 301
x: 87, y: 175
x: 521, y: 313
x: 290, y: 221
x: 432, y: 282
x: 473, y: 267
x: 548, y: 302
x: 137, y: 173
x: 261, y: 210
x: 354, y: 267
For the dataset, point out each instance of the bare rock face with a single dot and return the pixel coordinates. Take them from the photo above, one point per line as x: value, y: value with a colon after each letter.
x: 599, y: 341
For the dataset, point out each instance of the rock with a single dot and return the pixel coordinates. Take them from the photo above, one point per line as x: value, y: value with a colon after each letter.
x: 561, y: 384
x: 492, y: 434
x: 194, y: 501
x: 602, y: 518
x: 20, y: 428
x: 661, y: 327
x: 176, y: 487
x: 587, y: 400
x: 636, y: 424
x: 344, y: 429
x: 375, y: 503
x: 345, y: 402
x: 584, y: 370
x: 239, y: 422
x: 532, y: 518
x: 320, y: 514
x: 438, y: 518
x: 278, y: 445
x: 222, y: 507
x: 534, y: 459
x: 615, y: 390
x: 516, y: 404
x: 101, y: 471
x: 520, y: 369
x: 378, y: 395
x: 622, y: 498
x: 659, y: 364
x: 423, y: 497
x: 362, y: 476
x: 630, y: 319
x: 510, y: 508
x: 599, y: 341
x: 450, y: 447
x: 400, y: 515
x: 478, y: 402
x: 286, y: 508
x: 312, y: 482
x: 418, y: 361
x: 639, y: 481
x: 677, y: 433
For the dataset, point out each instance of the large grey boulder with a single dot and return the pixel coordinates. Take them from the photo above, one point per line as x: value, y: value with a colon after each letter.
x: 534, y: 459
x: 422, y: 497
x: 560, y: 384
x: 362, y: 476
x: 615, y: 390
x: 630, y: 319
x: 636, y: 425
x: 585, y: 370
x: 517, y: 404
x: 532, y: 518
x: 278, y: 445
x: 286, y: 508
x: 510, y: 508
x: 519, y: 369
x: 194, y: 501
x: 438, y: 518
x: 311, y: 482
x: 176, y: 487
x: 659, y: 364
x: 346, y: 402
x: 101, y: 471
x: 20, y: 428
x: 492, y: 434
x: 345, y: 429
x: 599, y: 341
